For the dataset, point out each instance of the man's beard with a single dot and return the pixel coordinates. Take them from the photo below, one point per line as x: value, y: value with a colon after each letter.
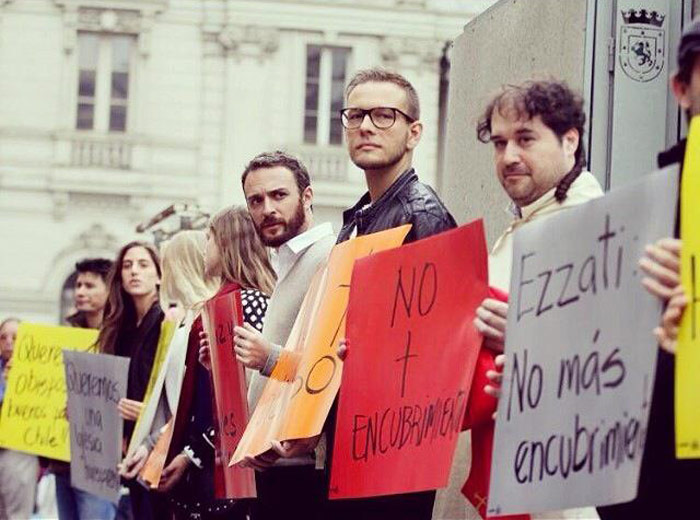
x: 291, y: 228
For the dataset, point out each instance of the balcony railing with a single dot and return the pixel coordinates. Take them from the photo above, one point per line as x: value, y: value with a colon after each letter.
x: 325, y: 163
x: 101, y: 151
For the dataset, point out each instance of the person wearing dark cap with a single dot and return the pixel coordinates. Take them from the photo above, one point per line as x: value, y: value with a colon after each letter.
x: 667, y: 485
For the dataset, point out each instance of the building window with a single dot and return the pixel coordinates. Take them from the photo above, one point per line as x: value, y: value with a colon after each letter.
x: 326, y: 69
x: 103, y: 81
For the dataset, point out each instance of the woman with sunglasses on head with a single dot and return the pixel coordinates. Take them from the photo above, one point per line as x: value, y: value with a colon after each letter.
x: 234, y: 255
x: 131, y: 328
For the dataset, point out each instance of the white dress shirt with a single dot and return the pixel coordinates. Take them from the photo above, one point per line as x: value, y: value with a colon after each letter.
x: 283, y: 257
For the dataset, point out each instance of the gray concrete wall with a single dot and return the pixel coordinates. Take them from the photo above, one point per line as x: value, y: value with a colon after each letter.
x: 512, y: 41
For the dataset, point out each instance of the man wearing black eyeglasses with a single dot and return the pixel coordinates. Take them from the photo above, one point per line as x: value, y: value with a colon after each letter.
x: 382, y: 127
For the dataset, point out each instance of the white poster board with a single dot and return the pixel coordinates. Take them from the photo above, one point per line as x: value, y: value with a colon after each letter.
x: 581, y: 356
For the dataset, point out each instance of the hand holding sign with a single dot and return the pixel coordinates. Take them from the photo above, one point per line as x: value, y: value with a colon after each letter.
x: 133, y: 463
x: 204, y: 350
x: 295, y: 447
x: 252, y: 349
x: 173, y: 472
x: 342, y: 351
x: 491, y: 322
x: 667, y: 332
x: 129, y: 410
x: 662, y: 264
x: 495, y: 378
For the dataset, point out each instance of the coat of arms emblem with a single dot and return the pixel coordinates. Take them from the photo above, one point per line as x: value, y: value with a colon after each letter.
x: 642, y: 46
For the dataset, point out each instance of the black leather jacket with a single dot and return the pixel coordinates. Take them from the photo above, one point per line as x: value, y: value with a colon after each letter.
x: 407, y: 201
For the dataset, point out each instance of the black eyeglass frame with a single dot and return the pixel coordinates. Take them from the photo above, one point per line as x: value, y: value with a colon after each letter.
x: 365, y: 112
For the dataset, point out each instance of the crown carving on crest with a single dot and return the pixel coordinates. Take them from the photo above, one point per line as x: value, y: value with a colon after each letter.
x: 643, y: 16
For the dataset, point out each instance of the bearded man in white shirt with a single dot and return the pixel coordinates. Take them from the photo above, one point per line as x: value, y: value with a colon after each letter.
x: 279, y: 196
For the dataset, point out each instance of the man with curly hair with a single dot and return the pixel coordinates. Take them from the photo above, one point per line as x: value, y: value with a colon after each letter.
x: 536, y: 130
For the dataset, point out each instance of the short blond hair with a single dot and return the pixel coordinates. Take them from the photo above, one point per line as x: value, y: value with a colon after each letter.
x: 382, y: 75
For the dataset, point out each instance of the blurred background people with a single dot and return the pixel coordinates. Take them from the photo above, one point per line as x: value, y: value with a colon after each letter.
x: 18, y: 471
x: 131, y: 328
x: 90, y: 299
x: 184, y: 289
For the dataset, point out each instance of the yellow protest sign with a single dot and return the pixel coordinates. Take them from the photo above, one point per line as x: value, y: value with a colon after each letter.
x: 688, y: 354
x: 143, y: 423
x: 34, y: 408
x: 298, y: 408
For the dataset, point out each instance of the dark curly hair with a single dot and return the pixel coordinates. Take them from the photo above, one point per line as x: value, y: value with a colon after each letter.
x: 559, y: 107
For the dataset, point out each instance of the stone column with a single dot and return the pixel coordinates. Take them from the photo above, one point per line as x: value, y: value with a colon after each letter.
x: 246, y: 105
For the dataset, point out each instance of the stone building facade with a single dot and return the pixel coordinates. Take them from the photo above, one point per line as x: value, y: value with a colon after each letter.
x: 111, y: 110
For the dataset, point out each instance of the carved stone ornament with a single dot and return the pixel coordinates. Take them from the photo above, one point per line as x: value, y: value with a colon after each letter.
x: 411, y: 53
x: 134, y: 17
x: 109, y: 20
x: 95, y: 237
x: 249, y: 41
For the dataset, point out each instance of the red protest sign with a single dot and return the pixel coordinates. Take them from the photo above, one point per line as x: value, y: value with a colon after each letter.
x: 221, y: 315
x: 411, y: 360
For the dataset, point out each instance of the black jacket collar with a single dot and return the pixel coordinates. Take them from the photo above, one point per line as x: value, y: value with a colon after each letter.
x: 358, y: 209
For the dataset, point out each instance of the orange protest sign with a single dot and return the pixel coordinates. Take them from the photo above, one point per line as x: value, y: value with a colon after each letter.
x: 265, y: 422
x: 296, y: 408
x: 319, y: 372
x: 153, y: 469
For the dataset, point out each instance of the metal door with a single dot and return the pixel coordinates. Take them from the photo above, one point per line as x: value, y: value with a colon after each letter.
x: 630, y: 56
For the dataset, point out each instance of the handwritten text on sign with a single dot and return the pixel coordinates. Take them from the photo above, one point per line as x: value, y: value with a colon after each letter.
x: 298, y: 409
x: 264, y: 423
x: 319, y: 372
x: 34, y: 409
x: 413, y: 349
x: 95, y: 383
x: 571, y: 423
x: 688, y: 355
x: 221, y: 315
